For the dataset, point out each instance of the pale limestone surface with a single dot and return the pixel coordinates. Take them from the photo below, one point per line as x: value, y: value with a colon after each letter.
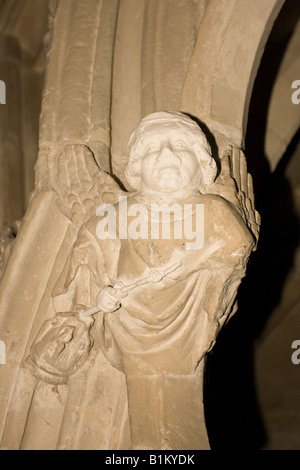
x: 160, y: 301
x: 85, y: 125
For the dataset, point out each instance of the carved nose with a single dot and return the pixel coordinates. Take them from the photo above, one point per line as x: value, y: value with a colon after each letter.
x: 167, y: 154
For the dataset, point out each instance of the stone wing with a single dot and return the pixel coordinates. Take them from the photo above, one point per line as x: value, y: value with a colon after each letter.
x: 235, y: 184
x: 80, y: 185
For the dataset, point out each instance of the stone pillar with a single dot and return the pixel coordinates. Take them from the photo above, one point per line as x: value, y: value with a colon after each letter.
x: 12, y: 204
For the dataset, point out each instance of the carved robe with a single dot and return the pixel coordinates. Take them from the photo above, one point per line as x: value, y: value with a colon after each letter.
x: 164, y: 327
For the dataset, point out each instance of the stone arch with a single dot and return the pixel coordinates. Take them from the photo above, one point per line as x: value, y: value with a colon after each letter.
x: 225, y: 62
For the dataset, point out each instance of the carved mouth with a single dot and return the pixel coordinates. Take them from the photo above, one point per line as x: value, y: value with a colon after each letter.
x: 169, y: 169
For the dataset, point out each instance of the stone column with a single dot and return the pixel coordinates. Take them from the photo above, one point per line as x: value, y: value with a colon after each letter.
x: 11, y: 157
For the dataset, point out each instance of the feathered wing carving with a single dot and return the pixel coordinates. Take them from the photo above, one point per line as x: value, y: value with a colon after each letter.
x: 80, y: 185
x: 235, y: 184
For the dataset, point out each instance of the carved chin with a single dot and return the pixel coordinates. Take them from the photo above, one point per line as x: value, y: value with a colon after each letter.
x: 171, y: 179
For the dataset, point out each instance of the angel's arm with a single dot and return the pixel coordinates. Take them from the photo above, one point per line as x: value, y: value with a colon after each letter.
x: 235, y: 185
x: 228, y: 264
x: 240, y: 224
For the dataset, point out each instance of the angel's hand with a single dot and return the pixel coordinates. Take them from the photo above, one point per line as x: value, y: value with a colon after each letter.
x: 108, y: 299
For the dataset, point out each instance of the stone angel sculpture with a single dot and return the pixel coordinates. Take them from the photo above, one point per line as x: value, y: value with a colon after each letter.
x: 153, y: 273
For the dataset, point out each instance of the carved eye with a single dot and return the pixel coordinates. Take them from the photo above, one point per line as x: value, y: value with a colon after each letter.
x: 152, y: 146
x: 180, y: 144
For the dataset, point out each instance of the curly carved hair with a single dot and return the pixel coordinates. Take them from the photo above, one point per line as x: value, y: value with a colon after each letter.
x: 191, y: 132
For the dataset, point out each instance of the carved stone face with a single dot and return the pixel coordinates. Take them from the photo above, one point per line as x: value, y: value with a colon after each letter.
x: 170, y: 161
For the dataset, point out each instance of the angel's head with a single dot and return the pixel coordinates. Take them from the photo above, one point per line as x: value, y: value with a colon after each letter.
x: 167, y: 152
